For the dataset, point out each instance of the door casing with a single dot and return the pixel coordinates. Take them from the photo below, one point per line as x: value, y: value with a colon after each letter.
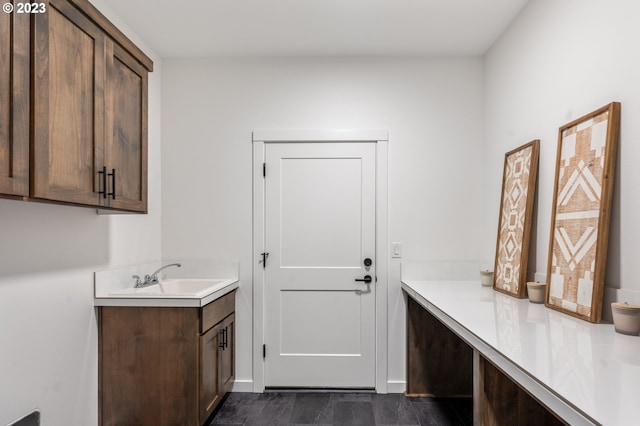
x: 260, y: 139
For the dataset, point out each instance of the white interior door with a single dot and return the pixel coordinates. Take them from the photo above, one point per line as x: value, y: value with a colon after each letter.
x: 320, y: 228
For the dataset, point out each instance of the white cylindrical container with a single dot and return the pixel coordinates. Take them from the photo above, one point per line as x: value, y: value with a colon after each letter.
x: 536, y: 292
x: 626, y: 318
x: 486, y: 277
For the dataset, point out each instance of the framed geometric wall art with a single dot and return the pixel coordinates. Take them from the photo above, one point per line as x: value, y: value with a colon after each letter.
x: 581, y: 211
x: 514, y: 224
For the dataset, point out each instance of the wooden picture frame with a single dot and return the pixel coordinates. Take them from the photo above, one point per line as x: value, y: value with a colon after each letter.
x: 583, y: 189
x: 514, y: 225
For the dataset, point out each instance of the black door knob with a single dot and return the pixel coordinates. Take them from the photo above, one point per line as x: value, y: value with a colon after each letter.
x: 368, y: 262
x: 366, y: 279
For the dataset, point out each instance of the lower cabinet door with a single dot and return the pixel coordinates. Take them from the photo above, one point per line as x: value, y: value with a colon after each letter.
x: 210, y: 392
x: 227, y: 354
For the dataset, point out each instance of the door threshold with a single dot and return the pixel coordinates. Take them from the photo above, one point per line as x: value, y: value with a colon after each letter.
x: 286, y: 389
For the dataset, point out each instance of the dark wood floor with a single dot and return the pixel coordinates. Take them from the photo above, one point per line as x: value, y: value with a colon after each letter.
x: 341, y: 409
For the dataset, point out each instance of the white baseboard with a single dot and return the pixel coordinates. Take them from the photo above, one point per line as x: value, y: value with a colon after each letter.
x: 396, y: 386
x: 242, y: 386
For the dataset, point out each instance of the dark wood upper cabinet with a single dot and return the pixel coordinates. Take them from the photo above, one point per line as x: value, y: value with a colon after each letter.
x: 14, y: 104
x: 126, y: 124
x: 68, y: 105
x: 88, y: 109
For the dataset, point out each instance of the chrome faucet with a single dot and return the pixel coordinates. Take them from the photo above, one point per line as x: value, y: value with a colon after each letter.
x: 152, y: 278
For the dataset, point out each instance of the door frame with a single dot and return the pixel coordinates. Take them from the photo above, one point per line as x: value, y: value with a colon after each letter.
x: 260, y: 139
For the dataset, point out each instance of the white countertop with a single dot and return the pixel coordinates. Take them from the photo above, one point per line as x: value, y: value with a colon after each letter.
x: 109, y: 284
x: 226, y: 286
x: 585, y: 372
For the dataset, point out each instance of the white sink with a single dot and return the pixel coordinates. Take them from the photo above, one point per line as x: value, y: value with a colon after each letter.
x: 180, y: 287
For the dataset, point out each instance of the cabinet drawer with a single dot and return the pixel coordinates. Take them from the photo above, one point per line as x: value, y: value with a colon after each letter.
x: 217, y: 310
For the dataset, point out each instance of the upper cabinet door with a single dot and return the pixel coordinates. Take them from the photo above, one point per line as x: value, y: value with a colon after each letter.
x: 14, y: 104
x: 126, y: 127
x: 69, y: 78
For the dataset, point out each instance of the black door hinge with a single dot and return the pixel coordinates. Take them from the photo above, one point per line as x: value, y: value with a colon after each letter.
x: 264, y: 351
x: 264, y: 169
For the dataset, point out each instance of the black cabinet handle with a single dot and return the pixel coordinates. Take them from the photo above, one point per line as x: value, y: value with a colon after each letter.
x: 103, y: 172
x: 113, y: 184
x: 224, y: 340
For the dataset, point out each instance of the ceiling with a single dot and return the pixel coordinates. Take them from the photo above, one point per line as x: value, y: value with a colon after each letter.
x: 241, y: 28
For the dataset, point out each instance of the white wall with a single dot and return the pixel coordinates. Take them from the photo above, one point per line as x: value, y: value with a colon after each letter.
x: 431, y: 108
x: 558, y: 61
x: 48, y: 253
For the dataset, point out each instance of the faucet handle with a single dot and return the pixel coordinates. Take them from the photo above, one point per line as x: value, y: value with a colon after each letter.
x: 137, y: 278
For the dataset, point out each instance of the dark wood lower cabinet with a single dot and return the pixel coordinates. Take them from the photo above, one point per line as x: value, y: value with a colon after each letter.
x: 227, y: 373
x: 217, y: 364
x: 210, y: 392
x: 506, y: 403
x: 164, y: 365
x: 439, y: 363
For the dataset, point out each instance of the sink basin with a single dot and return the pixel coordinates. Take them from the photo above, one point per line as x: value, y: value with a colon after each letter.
x: 180, y: 287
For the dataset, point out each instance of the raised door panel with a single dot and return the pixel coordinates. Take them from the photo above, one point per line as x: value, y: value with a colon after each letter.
x: 126, y: 127
x: 68, y: 106
x: 210, y: 392
x: 227, y: 354
x: 14, y: 104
